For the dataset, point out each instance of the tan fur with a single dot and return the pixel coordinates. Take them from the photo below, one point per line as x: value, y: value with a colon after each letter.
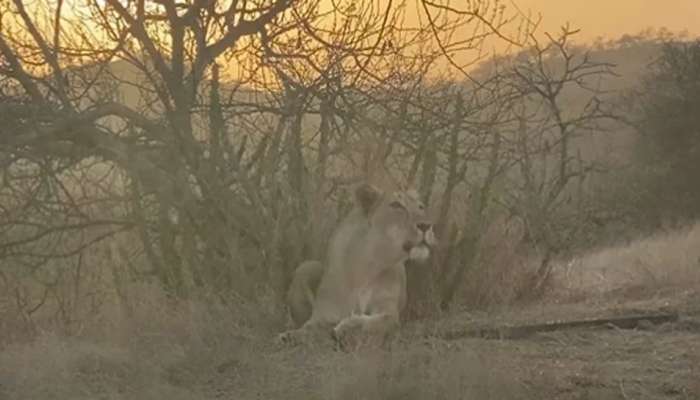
x: 363, y: 289
x: 302, y: 290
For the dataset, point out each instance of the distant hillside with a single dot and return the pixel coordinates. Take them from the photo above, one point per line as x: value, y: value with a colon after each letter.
x: 630, y: 58
x: 630, y: 55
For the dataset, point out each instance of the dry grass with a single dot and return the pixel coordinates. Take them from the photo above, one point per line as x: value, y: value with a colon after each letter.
x: 503, y: 269
x: 153, y: 347
x: 184, y: 351
x: 160, y: 348
x: 667, y: 259
x: 422, y: 372
x: 74, y: 368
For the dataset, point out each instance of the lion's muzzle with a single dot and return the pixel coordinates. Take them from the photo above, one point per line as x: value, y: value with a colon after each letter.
x: 420, y: 250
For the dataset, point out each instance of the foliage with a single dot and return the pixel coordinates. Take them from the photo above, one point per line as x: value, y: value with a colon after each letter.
x: 669, y: 142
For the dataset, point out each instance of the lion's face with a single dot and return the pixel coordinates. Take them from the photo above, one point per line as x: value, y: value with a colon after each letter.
x: 400, y: 218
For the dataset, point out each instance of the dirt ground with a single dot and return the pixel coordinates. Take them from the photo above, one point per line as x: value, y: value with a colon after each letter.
x: 648, y: 362
x: 651, y: 361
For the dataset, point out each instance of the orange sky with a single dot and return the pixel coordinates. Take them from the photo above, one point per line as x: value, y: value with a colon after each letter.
x: 595, y: 18
x: 608, y: 18
x: 613, y: 18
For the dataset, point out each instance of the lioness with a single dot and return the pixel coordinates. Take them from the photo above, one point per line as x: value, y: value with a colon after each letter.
x: 363, y: 289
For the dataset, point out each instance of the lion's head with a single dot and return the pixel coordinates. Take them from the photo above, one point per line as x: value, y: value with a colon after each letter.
x: 398, y: 220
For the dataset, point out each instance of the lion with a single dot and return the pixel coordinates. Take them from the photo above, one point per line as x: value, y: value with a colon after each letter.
x: 302, y: 290
x: 362, y: 289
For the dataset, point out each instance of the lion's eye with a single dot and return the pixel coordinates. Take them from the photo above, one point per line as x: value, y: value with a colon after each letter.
x: 396, y: 204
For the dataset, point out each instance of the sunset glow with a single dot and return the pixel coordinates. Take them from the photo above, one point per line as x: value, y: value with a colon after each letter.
x: 614, y: 18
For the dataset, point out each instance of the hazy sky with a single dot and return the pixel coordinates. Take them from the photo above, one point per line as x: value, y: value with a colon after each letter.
x: 612, y: 18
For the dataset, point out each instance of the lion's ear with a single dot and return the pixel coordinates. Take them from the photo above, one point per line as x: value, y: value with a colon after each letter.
x: 367, y: 197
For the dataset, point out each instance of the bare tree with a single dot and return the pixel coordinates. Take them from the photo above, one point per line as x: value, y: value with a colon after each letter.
x: 219, y: 133
x: 178, y: 188
x: 549, y: 139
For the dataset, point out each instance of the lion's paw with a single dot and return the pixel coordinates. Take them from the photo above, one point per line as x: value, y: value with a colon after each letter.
x: 289, y: 338
x: 302, y: 336
x: 347, y: 333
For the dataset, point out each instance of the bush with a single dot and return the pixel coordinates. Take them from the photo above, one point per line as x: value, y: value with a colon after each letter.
x: 668, y: 147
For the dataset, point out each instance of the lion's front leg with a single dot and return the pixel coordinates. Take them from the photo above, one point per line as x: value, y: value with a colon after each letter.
x: 357, y: 330
x: 349, y: 330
